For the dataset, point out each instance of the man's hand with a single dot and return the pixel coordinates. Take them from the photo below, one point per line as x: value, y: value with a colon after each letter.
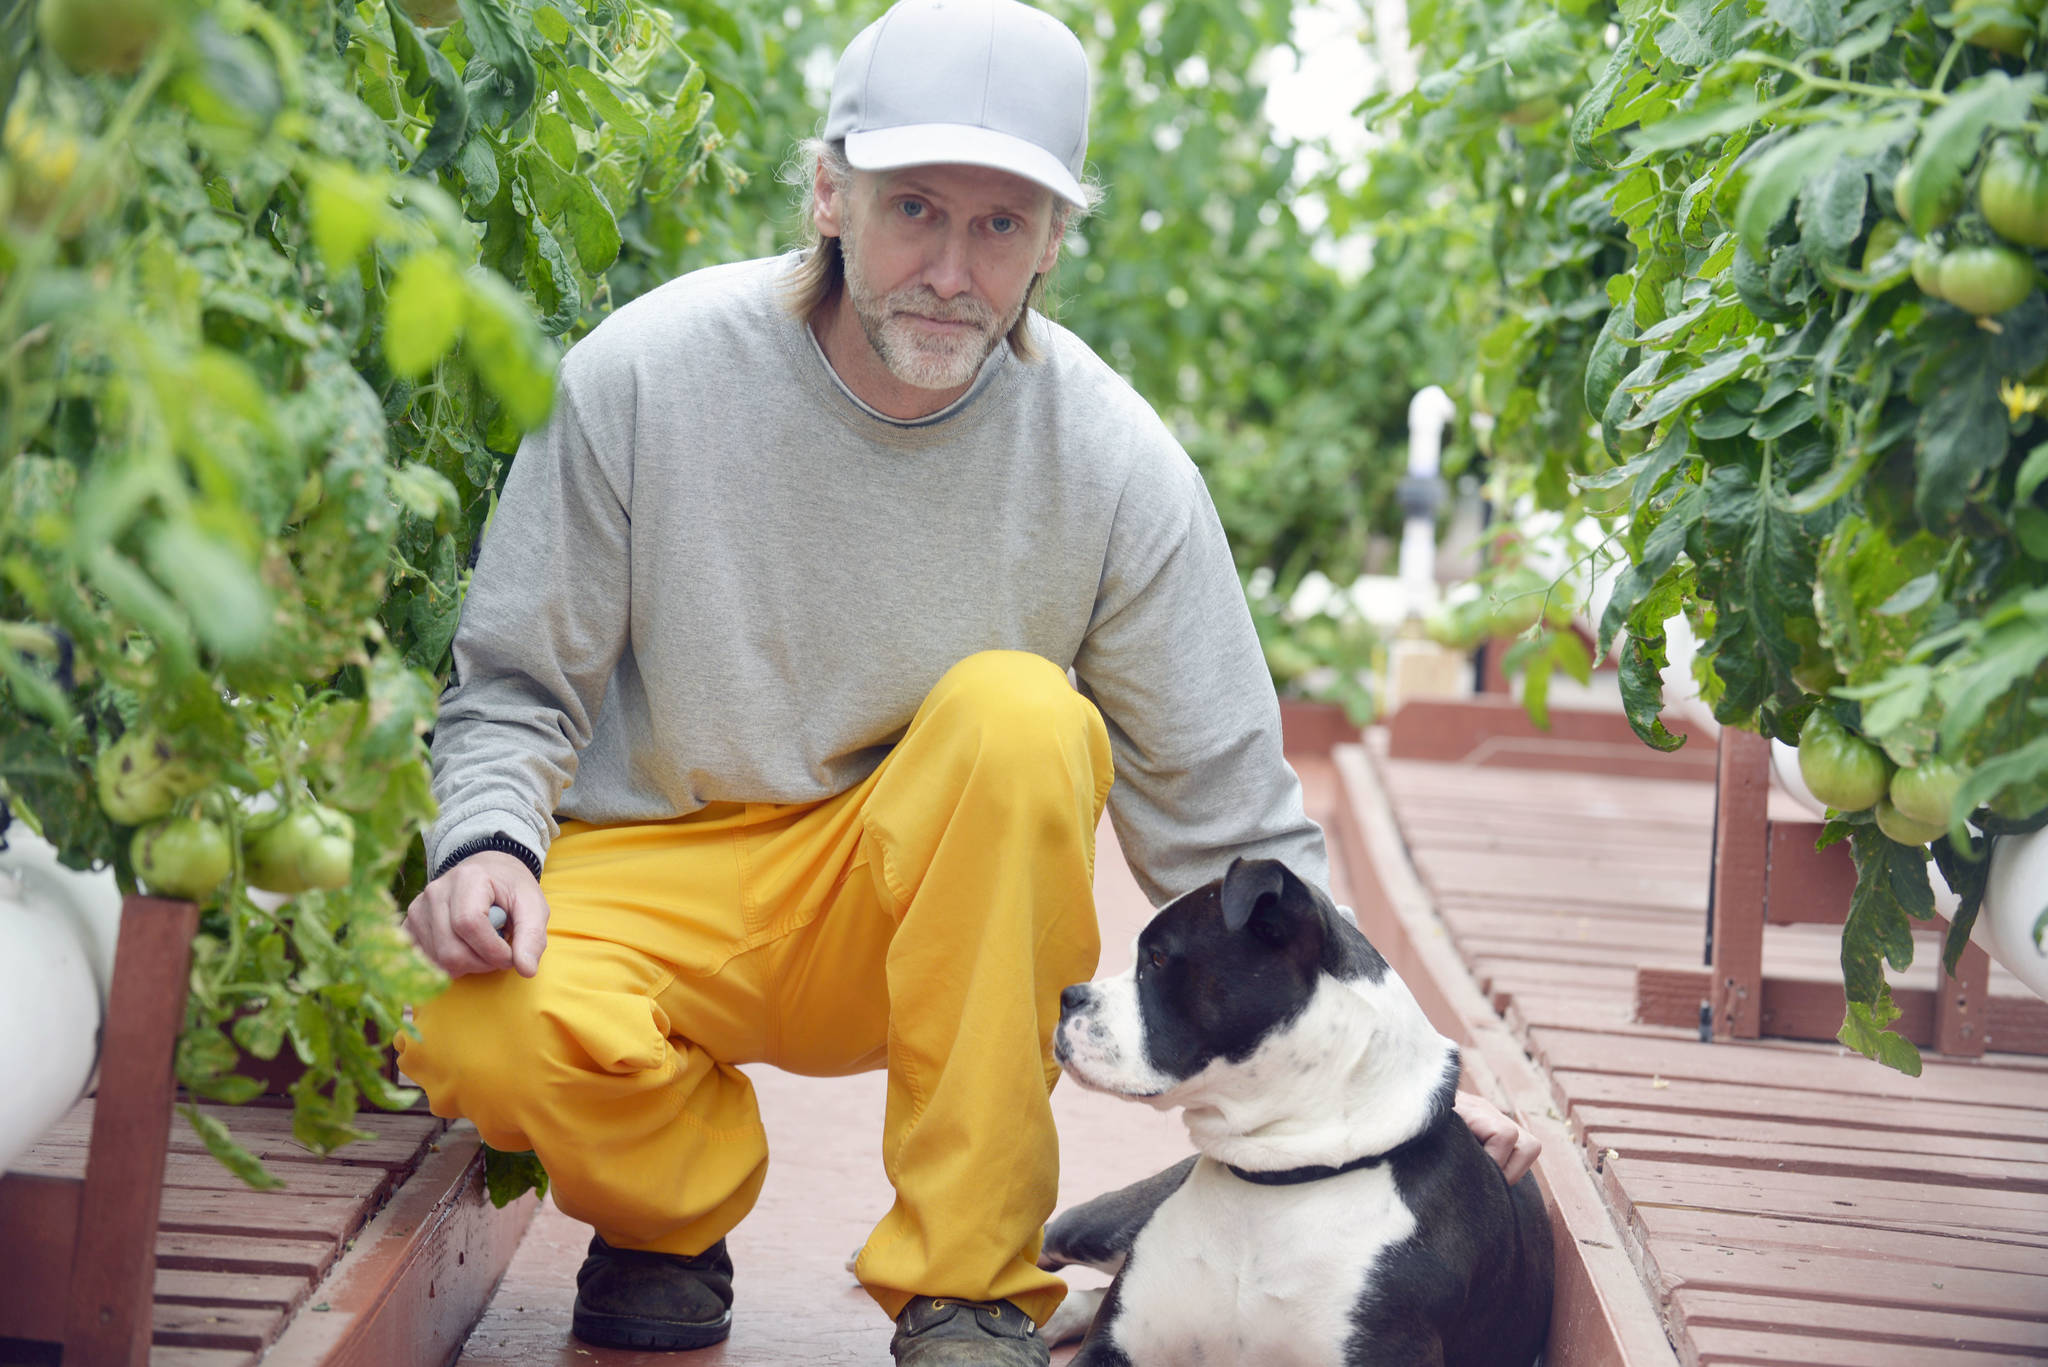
x: 1505, y: 1142
x: 451, y: 918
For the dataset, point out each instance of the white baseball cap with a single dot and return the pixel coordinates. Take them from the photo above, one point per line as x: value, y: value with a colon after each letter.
x: 973, y: 82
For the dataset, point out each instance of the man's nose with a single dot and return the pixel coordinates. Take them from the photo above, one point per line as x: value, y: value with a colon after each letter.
x: 948, y: 271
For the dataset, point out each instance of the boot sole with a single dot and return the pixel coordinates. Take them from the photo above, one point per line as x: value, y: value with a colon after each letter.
x: 629, y: 1331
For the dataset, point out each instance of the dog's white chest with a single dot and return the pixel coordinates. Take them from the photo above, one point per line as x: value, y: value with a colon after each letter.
x: 1232, y: 1272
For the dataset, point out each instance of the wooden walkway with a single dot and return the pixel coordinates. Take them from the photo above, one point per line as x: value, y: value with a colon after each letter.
x: 349, y: 1256
x: 1786, y: 1203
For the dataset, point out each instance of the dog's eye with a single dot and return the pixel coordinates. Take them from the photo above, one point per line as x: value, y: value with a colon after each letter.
x: 1158, y: 958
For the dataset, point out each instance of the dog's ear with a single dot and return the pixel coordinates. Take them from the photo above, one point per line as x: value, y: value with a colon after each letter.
x: 1264, y: 895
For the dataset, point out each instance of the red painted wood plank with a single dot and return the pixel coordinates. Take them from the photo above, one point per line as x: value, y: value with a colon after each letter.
x: 1872, y: 1323
x: 1814, y: 1129
x: 1907, y: 1117
x: 1990, y: 1214
x: 246, y: 1212
x: 1788, y: 1064
x: 1962, y: 1256
x: 247, y: 1328
x: 1819, y: 1161
x: 160, y: 1356
x: 201, y: 1171
x: 1684, y: 1265
x: 1712, y: 1347
x: 176, y: 1286
x: 243, y: 1253
x: 266, y: 1132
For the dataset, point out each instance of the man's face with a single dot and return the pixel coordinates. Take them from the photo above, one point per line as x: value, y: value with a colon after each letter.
x: 939, y: 260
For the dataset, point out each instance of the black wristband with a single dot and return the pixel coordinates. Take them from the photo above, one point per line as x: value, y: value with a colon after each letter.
x: 497, y: 841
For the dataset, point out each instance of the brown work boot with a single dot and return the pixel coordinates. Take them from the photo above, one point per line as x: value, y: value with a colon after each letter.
x: 632, y: 1298
x: 940, y: 1331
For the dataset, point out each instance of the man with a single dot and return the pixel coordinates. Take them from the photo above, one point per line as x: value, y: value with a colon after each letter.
x: 790, y: 586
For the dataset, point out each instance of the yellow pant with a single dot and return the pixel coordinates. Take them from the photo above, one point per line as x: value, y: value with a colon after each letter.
x: 925, y: 919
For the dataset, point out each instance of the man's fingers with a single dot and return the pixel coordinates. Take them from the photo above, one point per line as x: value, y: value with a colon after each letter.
x: 470, y: 920
x: 429, y: 926
x: 529, y: 930
x: 1526, y: 1151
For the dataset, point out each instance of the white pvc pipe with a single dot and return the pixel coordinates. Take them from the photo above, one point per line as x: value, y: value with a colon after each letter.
x: 57, y: 931
x: 1428, y: 411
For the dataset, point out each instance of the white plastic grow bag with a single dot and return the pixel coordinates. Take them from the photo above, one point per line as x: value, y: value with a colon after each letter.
x: 57, y: 932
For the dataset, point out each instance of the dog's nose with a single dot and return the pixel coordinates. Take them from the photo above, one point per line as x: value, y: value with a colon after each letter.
x: 1074, y: 998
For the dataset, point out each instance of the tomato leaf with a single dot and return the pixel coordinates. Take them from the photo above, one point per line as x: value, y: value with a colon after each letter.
x: 508, y: 1176
x: 1816, y: 23
x: 232, y: 1155
x: 422, y: 313
x: 501, y: 77
x: 427, y: 72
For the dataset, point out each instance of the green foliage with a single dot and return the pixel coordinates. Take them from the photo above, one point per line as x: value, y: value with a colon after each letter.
x: 274, y: 310
x: 1809, y: 415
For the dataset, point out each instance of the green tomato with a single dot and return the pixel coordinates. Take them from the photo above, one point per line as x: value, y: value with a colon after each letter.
x: 1927, y: 269
x: 2011, y: 39
x: 1519, y: 600
x: 1844, y: 771
x: 43, y: 159
x: 1986, y: 280
x: 181, y: 856
x: 110, y: 36
x: 307, y: 847
x: 140, y: 777
x: 2013, y: 193
x: 432, y: 13
x: 1926, y: 793
x: 1886, y: 235
x: 1903, y: 828
x: 1902, y: 200
x: 1457, y: 626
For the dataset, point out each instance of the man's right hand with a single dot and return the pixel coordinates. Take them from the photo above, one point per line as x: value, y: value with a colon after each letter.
x: 451, y: 918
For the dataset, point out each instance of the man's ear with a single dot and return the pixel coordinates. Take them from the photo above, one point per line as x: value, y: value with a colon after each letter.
x: 828, y: 205
x: 1052, y: 242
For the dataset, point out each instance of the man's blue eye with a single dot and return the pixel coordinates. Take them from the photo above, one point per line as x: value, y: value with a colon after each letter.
x: 912, y: 209
x: 1003, y: 225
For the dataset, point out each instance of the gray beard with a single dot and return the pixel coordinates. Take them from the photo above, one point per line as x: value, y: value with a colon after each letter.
x: 920, y: 361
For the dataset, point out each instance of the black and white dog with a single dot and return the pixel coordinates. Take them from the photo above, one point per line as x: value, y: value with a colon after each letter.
x: 1338, y: 1211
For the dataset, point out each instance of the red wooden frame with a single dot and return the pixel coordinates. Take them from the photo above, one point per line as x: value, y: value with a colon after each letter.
x: 1767, y: 871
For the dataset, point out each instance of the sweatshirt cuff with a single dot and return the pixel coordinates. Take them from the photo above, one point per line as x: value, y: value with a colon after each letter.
x: 442, y: 849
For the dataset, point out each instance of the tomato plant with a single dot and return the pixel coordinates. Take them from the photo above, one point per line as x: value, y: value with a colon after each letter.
x: 280, y: 288
x: 1811, y: 392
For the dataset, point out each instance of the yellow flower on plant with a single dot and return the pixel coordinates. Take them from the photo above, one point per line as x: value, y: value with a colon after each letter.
x: 2020, y: 398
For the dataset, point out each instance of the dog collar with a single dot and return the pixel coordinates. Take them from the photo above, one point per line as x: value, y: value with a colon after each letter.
x: 1287, y: 1177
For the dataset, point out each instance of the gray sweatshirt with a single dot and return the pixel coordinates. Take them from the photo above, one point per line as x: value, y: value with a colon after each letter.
x: 715, y: 575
